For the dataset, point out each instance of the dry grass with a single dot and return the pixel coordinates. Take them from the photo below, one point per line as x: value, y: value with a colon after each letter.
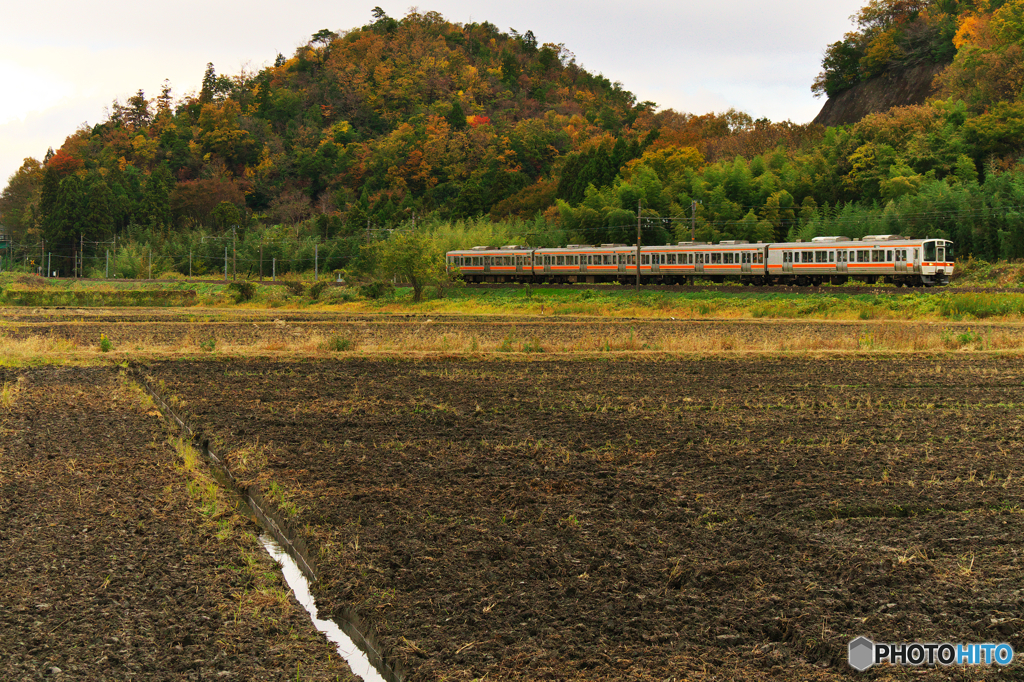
x: 9, y: 393
x: 200, y: 339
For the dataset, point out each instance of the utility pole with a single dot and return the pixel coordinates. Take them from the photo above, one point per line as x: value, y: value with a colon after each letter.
x: 42, y: 252
x: 234, y: 253
x: 106, y: 275
x: 316, y: 261
x: 81, y: 255
x: 48, y: 257
x: 273, y: 270
x: 639, y: 208
x: 225, y: 262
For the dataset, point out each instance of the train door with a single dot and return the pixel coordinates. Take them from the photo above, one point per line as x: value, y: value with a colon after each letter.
x: 655, y: 263
x: 745, y: 263
x: 698, y: 266
x: 787, y: 262
x: 841, y: 261
x: 900, y: 261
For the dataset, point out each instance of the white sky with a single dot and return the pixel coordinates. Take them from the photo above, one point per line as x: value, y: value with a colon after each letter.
x: 63, y: 62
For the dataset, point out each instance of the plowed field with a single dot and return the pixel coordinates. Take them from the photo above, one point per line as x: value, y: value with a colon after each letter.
x: 110, y: 569
x: 622, y: 519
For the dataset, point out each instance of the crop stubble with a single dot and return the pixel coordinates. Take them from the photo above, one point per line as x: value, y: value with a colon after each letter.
x: 640, y: 519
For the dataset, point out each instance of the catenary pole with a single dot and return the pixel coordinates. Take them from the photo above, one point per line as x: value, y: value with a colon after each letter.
x: 639, y: 208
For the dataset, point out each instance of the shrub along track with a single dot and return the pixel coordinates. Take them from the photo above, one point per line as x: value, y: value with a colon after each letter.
x: 111, y: 570
x: 640, y: 519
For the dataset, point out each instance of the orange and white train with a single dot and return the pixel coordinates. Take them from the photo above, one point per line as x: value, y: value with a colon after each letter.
x: 900, y: 261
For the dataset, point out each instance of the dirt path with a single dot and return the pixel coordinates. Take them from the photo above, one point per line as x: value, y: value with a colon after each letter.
x: 113, y: 567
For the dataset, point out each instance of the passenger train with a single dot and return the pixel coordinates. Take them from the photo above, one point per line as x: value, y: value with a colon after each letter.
x: 896, y: 259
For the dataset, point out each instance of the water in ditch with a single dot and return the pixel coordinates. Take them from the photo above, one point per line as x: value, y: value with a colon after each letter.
x: 355, y: 657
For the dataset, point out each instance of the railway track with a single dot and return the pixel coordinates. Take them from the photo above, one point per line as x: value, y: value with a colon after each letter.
x: 845, y: 290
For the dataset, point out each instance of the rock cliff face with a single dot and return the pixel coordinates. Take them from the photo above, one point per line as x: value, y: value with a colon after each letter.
x: 893, y: 89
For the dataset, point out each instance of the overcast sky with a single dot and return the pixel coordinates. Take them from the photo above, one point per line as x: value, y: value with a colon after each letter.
x: 63, y: 62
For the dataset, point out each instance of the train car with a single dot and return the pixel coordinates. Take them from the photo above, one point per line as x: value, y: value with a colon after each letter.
x: 585, y: 263
x: 511, y: 263
x: 901, y: 261
x: 685, y: 261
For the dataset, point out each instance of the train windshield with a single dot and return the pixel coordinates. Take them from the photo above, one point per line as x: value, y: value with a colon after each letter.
x: 929, y: 251
x: 949, y: 252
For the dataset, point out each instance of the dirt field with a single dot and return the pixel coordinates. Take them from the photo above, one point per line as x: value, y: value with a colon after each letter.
x: 117, y: 563
x: 621, y: 519
x: 168, y: 331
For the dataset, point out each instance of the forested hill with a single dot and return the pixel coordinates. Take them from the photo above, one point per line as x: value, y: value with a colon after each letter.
x: 400, y: 118
x: 394, y: 119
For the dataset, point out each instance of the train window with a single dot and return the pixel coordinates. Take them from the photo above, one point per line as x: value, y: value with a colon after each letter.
x: 831, y: 256
x: 877, y: 255
x: 819, y: 256
x: 671, y: 259
x: 888, y: 255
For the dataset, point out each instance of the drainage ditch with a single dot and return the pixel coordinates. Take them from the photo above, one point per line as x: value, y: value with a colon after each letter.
x: 354, y: 642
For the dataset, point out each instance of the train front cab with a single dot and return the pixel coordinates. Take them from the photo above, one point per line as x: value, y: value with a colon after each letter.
x: 937, y: 261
